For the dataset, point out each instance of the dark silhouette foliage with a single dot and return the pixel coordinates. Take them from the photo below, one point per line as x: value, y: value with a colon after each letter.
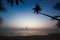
x: 55, y: 17
x: 57, y: 6
x: 58, y: 24
x: 37, y: 9
x: 50, y: 16
x: 22, y: 1
x: 2, y: 8
x: 16, y: 2
x: 11, y: 2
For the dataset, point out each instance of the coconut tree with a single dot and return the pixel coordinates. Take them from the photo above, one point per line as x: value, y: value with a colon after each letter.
x: 38, y: 9
x: 57, y: 7
x: 58, y: 23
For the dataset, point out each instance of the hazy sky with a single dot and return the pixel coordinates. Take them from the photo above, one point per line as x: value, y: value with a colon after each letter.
x: 22, y: 15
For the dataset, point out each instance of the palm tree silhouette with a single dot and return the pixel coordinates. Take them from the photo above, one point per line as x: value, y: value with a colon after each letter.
x: 38, y: 8
x: 57, y: 7
x: 55, y: 17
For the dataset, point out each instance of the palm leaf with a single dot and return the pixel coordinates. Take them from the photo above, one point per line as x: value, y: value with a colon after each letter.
x: 22, y: 1
x: 16, y: 2
x: 57, y: 6
x: 2, y: 8
x: 58, y: 24
x: 11, y: 2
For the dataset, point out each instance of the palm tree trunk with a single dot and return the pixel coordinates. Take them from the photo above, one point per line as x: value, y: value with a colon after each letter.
x: 50, y: 16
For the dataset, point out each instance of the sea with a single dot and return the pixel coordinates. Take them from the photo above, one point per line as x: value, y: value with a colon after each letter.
x: 26, y: 32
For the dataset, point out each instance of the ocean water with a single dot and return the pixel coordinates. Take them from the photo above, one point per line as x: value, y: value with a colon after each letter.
x: 22, y: 33
x: 26, y: 32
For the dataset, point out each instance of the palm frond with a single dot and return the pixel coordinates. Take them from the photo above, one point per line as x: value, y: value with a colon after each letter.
x: 37, y: 9
x: 58, y: 24
x: 11, y: 2
x: 57, y: 6
x: 2, y: 8
x: 17, y: 2
x: 22, y: 1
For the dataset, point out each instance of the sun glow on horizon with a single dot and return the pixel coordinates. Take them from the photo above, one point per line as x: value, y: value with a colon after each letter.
x: 29, y: 20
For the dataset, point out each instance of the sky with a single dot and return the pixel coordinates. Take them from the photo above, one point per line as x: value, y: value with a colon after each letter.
x: 22, y: 16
